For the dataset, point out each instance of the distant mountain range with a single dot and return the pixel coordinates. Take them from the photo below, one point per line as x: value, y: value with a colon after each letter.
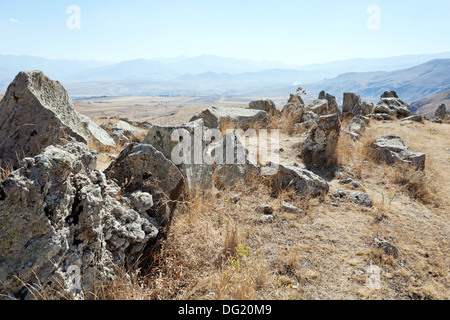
x: 413, y: 77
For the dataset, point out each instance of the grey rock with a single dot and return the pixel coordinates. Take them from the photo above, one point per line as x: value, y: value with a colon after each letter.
x: 264, y: 105
x: 415, y: 118
x: 391, y: 150
x: 140, y: 167
x: 392, y: 105
x: 333, y: 106
x: 294, y: 108
x: 441, y: 112
x: 197, y: 174
x: 290, y: 208
x: 361, y: 198
x: 381, y: 116
x: 214, y: 117
x: 37, y: 112
x: 321, y: 142
x: 357, y: 125
x: 302, y: 181
x: 265, y: 209
x: 58, y: 215
x: 387, y: 247
x: 319, y: 107
x: 123, y: 132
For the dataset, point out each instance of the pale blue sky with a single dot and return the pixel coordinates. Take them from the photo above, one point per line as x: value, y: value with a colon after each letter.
x: 296, y: 31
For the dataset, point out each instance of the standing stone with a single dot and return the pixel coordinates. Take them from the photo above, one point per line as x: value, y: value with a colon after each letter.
x: 319, y: 147
x: 351, y: 104
x: 264, y: 105
x: 441, y: 112
x: 37, y: 112
x: 333, y: 106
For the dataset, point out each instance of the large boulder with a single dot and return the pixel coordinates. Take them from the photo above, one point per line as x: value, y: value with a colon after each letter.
x: 391, y: 149
x: 294, y: 108
x: 64, y: 227
x: 303, y: 182
x: 215, y: 117
x: 392, y: 105
x: 141, y: 167
x: 264, y: 105
x: 353, y: 105
x: 319, y: 147
x: 441, y: 112
x: 237, y: 162
x: 319, y: 107
x: 196, y: 173
x: 333, y: 106
x: 37, y: 112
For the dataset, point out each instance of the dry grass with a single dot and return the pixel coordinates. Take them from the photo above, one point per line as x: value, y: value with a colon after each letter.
x: 219, y: 249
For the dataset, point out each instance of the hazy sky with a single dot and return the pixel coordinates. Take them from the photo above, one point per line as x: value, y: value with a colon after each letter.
x: 296, y: 31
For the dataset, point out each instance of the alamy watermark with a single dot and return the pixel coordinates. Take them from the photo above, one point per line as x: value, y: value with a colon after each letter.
x: 73, y: 22
x: 374, y: 20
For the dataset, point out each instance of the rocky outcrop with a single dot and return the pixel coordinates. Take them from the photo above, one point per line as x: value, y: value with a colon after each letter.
x: 215, y: 117
x: 392, y: 105
x: 65, y: 226
x: 391, y: 150
x: 141, y: 167
x: 264, y: 105
x: 441, y: 112
x: 319, y: 147
x: 37, y: 112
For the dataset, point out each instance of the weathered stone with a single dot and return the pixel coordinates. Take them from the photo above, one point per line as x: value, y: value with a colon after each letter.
x: 295, y: 108
x: 387, y: 247
x: 357, y: 125
x: 215, y: 117
x: 166, y: 138
x: 391, y: 104
x: 391, y: 149
x: 320, y: 145
x: 302, y: 181
x: 333, y: 106
x: 141, y: 167
x: 351, y: 104
x: 441, y: 112
x: 290, y: 208
x: 360, y: 198
x: 37, y: 112
x: 57, y: 217
x: 264, y: 105
x: 265, y: 209
x: 415, y: 118
x: 319, y: 107
x: 123, y: 133
x: 381, y: 116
